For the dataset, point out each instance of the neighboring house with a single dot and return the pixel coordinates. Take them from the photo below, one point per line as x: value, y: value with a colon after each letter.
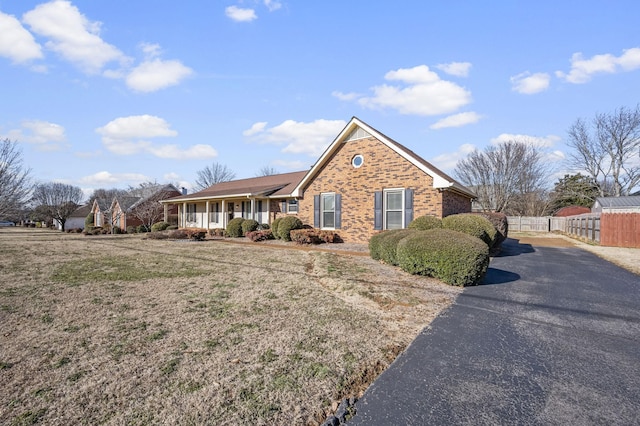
x: 629, y: 204
x: 571, y: 211
x: 100, y: 208
x: 76, y: 220
x: 140, y: 206
x: 363, y: 183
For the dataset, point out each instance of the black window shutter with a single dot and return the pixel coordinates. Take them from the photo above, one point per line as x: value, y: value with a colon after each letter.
x: 338, y: 223
x: 377, y: 210
x: 408, y: 206
x: 316, y: 211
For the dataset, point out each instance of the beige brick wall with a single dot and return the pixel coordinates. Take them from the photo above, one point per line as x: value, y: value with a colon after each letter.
x: 383, y: 168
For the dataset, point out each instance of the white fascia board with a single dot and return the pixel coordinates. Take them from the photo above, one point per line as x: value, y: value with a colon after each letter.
x: 216, y: 197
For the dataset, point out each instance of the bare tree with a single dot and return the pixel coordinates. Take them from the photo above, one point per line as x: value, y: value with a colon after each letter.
x: 107, y: 194
x: 15, y: 182
x: 215, y: 173
x: 607, y: 150
x: 59, y: 200
x: 148, y: 209
x: 508, y: 176
x: 267, y: 171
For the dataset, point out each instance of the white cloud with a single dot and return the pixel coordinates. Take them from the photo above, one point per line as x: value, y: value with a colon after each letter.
x: 448, y: 161
x: 272, y: 5
x: 459, y: 69
x: 46, y: 136
x: 423, y: 93
x: 539, y: 141
x: 457, y: 120
x: 345, y: 96
x: 157, y: 74
x: 255, y: 129
x: 308, y: 138
x: 130, y: 135
x: 16, y: 43
x: 528, y: 84
x: 72, y: 35
x: 238, y: 14
x: 107, y: 179
x: 583, y: 69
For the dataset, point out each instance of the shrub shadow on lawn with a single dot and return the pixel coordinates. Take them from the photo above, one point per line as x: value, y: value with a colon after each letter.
x: 499, y: 276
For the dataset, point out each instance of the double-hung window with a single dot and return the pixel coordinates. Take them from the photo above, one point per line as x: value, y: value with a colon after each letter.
x: 328, y: 210
x: 214, y: 214
x: 191, y: 212
x: 393, y: 208
x: 292, y: 206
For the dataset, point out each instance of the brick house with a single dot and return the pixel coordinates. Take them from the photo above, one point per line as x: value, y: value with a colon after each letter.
x: 137, y: 207
x: 363, y: 183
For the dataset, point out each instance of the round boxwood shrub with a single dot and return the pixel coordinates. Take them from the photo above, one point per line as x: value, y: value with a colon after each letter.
x: 471, y: 224
x: 286, y: 225
x: 249, y: 225
x: 450, y: 256
x: 383, y: 246
x: 159, y: 226
x: 274, y: 227
x: 234, y: 227
x: 426, y: 222
x: 142, y: 228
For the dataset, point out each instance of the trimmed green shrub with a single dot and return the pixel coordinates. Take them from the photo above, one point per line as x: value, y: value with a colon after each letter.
x: 426, y: 222
x: 471, y: 224
x: 286, y: 225
x: 274, y: 226
x: 450, y: 256
x: 131, y: 229
x: 234, y: 227
x: 159, y: 226
x: 172, y: 227
x: 117, y: 230
x: 88, y: 221
x: 264, y: 226
x: 500, y: 223
x: 142, y: 229
x: 249, y: 225
x: 385, y: 244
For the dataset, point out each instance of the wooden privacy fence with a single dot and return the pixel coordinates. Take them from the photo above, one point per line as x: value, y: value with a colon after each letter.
x: 608, y: 229
x: 620, y: 229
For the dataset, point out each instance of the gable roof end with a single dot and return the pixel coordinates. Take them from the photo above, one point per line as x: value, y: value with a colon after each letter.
x: 440, y: 179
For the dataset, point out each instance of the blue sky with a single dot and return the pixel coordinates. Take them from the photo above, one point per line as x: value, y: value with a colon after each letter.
x: 111, y: 93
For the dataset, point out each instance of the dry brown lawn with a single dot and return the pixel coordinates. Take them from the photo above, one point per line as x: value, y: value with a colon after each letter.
x: 123, y: 330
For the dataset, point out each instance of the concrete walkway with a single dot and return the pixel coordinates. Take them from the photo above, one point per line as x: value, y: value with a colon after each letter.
x: 551, y: 338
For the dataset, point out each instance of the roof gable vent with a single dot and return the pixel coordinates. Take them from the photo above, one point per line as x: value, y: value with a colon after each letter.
x: 357, y: 133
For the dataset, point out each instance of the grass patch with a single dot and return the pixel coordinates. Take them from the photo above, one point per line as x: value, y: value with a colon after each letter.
x: 115, y: 328
x: 121, y: 268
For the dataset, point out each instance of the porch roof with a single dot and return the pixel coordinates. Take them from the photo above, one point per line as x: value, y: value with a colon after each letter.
x: 280, y: 185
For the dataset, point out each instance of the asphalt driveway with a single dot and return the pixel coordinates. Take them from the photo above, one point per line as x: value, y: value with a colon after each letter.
x: 552, y: 337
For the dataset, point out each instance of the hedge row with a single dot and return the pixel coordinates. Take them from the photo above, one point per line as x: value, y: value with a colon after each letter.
x: 451, y: 256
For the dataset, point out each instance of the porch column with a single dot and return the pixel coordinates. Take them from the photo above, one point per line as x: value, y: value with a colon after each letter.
x: 184, y: 215
x: 166, y: 212
x: 253, y: 208
x: 268, y: 221
x: 223, y: 214
x: 206, y: 215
